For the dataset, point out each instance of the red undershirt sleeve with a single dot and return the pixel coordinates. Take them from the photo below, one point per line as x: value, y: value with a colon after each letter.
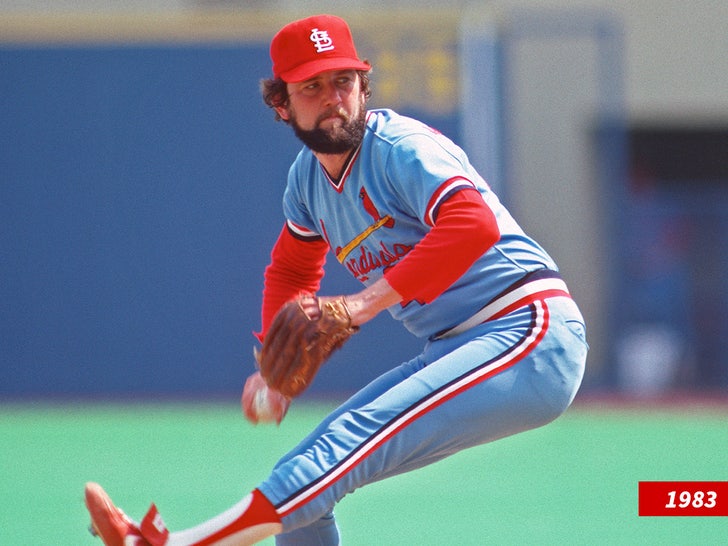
x: 296, y: 266
x: 464, y: 229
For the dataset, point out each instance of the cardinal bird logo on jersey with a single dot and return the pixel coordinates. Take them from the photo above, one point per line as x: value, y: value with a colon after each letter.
x: 388, y: 221
x: 360, y: 264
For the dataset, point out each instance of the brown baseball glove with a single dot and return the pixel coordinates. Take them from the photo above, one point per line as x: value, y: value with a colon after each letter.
x: 301, y: 338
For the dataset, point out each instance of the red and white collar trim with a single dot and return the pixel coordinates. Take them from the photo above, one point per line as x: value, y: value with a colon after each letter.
x: 338, y: 184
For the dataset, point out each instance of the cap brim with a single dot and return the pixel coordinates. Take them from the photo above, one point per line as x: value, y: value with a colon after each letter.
x: 310, y: 69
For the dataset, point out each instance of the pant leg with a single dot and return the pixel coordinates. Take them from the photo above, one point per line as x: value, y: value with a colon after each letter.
x: 507, y: 376
x: 361, y: 398
x: 323, y: 532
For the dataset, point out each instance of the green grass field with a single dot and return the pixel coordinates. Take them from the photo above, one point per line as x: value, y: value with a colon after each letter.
x: 572, y: 482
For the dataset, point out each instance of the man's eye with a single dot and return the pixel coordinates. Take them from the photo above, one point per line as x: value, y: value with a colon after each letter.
x: 310, y: 89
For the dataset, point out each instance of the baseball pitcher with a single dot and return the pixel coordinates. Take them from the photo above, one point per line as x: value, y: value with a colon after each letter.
x: 402, y: 209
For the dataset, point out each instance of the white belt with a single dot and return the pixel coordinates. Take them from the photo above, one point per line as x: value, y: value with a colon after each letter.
x: 515, y: 299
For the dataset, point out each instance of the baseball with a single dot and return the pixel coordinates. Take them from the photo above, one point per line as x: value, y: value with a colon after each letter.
x: 262, y: 404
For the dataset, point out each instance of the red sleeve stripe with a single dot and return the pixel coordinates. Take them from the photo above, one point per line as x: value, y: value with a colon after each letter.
x: 300, y: 232
x: 441, y: 195
x: 466, y: 228
x: 297, y: 265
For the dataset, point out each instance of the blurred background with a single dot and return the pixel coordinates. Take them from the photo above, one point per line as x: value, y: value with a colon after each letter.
x: 141, y: 178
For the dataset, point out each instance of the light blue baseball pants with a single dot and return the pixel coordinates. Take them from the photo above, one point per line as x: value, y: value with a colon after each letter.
x: 497, y: 379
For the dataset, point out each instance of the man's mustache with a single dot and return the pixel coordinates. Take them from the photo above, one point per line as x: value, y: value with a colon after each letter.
x: 337, y: 112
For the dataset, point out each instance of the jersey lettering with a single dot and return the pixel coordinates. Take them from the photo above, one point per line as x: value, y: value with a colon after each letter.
x: 368, y: 261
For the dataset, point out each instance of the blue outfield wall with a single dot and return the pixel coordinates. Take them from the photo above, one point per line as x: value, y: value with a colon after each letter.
x: 140, y: 193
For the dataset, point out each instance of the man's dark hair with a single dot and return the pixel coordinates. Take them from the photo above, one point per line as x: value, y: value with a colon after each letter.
x: 275, y: 92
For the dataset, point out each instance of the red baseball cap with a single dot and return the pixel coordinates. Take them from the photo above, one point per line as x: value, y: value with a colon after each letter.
x: 307, y: 47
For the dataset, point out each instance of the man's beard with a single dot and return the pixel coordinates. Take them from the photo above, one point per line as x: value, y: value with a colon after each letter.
x: 336, y: 140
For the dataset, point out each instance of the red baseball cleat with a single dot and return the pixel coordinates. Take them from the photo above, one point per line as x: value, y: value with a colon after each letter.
x: 115, y: 528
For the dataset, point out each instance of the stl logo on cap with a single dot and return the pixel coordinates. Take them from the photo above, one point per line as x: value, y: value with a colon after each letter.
x: 322, y: 40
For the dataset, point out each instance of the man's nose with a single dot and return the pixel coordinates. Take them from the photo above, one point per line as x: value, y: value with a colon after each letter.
x: 332, y: 94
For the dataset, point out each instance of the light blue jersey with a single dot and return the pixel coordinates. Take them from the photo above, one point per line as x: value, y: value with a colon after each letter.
x: 387, y: 200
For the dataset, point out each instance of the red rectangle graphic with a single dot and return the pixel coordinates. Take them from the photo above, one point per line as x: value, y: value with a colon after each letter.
x: 683, y: 498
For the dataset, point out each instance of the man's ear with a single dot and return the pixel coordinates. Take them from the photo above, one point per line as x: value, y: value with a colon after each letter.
x: 283, y: 112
